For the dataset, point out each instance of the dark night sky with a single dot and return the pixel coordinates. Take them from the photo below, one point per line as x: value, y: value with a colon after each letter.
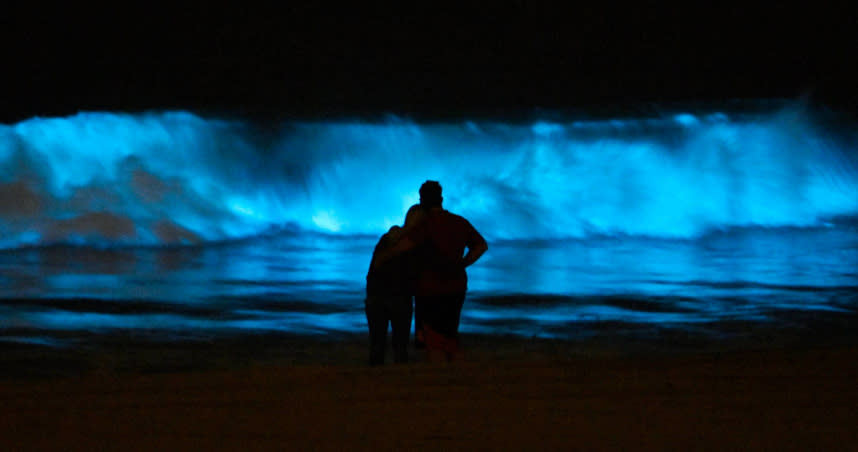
x: 323, y: 60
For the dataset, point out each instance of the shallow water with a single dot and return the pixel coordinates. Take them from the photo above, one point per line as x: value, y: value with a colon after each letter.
x: 312, y: 283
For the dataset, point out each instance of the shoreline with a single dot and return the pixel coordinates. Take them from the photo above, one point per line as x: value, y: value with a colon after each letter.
x: 132, y: 353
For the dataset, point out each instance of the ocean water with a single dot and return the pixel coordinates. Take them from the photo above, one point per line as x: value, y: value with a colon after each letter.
x: 173, y: 225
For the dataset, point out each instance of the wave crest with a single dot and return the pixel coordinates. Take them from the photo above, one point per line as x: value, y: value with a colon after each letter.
x: 174, y: 177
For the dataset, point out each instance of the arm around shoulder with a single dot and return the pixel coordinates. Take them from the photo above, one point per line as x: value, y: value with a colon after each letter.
x: 404, y: 244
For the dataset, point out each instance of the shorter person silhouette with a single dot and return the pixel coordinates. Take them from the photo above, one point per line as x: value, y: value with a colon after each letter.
x: 389, y: 288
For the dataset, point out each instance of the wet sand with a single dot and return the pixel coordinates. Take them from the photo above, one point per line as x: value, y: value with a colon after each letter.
x: 509, y: 394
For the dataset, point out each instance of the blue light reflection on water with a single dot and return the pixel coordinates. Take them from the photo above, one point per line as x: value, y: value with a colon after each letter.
x: 313, y: 283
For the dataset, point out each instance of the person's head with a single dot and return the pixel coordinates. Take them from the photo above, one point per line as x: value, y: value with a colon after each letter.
x: 395, y: 232
x: 430, y: 194
x: 414, y: 216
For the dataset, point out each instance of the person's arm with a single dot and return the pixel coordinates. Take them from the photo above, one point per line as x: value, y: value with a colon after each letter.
x: 413, y: 233
x: 404, y: 244
x: 477, y: 246
x: 475, y: 251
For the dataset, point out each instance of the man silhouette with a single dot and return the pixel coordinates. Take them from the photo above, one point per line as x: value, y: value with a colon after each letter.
x: 441, y: 238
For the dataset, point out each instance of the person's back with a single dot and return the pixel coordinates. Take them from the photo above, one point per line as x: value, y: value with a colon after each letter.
x: 448, y: 235
x: 396, y: 276
x: 441, y: 240
x: 389, y: 288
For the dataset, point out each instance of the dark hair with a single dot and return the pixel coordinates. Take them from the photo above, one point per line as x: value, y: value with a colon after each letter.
x: 414, y: 215
x: 430, y: 194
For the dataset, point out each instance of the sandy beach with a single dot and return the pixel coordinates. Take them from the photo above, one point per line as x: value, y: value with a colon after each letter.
x: 509, y: 394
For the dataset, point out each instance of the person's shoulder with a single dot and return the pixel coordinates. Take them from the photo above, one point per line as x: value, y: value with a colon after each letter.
x: 457, y: 219
x: 391, y: 236
x: 452, y: 216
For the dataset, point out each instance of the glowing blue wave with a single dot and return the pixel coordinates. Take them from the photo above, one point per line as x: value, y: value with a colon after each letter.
x: 166, y: 178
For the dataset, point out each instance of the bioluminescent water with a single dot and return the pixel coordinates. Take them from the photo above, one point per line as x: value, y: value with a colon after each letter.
x: 174, y: 223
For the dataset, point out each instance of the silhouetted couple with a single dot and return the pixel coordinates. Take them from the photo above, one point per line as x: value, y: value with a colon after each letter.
x: 425, y: 259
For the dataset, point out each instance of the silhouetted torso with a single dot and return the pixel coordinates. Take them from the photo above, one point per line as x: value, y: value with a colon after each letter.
x: 442, y: 238
x: 396, y: 276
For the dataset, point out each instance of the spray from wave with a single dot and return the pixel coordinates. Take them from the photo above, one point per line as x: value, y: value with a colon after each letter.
x: 165, y: 178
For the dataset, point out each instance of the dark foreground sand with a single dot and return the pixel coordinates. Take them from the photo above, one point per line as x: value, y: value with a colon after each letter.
x: 508, y: 395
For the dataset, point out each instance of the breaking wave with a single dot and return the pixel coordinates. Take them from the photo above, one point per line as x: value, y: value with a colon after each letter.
x: 164, y: 178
